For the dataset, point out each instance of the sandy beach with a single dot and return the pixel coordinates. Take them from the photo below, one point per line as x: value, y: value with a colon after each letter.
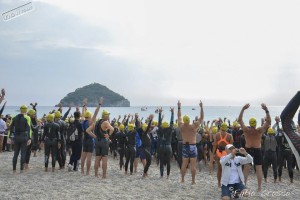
x: 37, y: 184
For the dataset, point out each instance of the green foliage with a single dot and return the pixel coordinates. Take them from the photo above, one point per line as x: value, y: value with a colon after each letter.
x: 93, y: 92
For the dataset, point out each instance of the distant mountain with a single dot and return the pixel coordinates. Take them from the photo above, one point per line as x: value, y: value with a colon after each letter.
x: 93, y: 92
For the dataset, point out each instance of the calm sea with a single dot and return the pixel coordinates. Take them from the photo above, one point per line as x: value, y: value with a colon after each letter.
x: 210, y: 112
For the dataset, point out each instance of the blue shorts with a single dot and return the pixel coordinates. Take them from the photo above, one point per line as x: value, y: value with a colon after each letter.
x: 189, y: 151
x: 141, y: 153
x: 232, y: 188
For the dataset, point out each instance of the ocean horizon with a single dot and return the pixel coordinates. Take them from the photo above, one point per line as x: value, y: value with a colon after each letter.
x: 210, y: 112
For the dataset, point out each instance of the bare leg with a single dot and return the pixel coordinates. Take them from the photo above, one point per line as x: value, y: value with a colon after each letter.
x: 136, y: 162
x: 193, y: 169
x: 259, y: 175
x: 96, y: 165
x: 104, y: 166
x: 88, y: 163
x: 246, y: 172
x: 83, y: 157
x: 219, y: 173
x: 185, y: 162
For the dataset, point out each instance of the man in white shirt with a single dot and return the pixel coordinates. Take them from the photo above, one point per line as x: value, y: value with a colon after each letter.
x: 232, y: 175
x: 2, y: 131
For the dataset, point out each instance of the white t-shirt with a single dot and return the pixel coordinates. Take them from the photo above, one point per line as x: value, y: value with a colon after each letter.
x: 234, y: 175
x: 3, y: 126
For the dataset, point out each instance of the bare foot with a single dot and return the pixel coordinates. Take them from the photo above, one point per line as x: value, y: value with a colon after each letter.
x: 219, y: 185
x: 46, y: 169
x: 279, y: 179
x: 182, y: 181
x: 53, y: 169
x: 193, y: 183
x: 14, y: 172
x: 266, y: 180
x: 258, y: 189
x: 103, y: 177
x: 275, y: 181
x: 291, y: 180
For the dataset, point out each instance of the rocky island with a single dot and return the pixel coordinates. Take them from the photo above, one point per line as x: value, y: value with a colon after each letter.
x: 92, y: 93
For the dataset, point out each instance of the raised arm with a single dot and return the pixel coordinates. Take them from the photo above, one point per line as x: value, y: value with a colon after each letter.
x: 97, y: 110
x: 240, y: 119
x: 2, y: 109
x: 179, y: 118
x: 66, y: 114
x: 198, y: 122
x: 268, y: 118
x: 159, y: 116
x: 172, y: 117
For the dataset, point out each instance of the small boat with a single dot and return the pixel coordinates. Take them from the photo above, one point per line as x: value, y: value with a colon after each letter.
x: 193, y: 108
x: 143, y: 108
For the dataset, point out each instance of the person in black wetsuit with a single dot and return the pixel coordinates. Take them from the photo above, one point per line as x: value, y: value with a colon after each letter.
x: 88, y: 144
x: 20, y: 129
x: 146, y: 144
x: 131, y: 149
x: 61, y: 152
x: 34, y: 144
x: 76, y: 145
x: 165, y: 139
x: 102, y: 131
x: 52, y: 140
x: 113, y: 145
x: 121, y: 144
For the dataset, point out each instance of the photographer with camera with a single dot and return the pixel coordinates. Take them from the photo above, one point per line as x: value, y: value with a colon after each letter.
x: 232, y: 175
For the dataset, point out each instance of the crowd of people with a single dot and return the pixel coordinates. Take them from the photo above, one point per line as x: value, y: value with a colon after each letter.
x: 231, y: 148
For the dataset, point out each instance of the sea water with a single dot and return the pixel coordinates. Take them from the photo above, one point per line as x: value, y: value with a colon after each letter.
x: 210, y: 112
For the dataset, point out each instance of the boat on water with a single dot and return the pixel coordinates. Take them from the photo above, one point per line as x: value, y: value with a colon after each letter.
x: 193, y: 108
x: 143, y: 108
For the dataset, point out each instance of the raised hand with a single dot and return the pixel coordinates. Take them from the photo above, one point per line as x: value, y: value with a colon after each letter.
x: 172, y: 110
x: 160, y: 110
x: 3, y: 92
x: 246, y: 106
x: 179, y: 104
x: 201, y: 104
x: 84, y: 101
x: 151, y: 117
x: 264, y: 107
x: 101, y: 101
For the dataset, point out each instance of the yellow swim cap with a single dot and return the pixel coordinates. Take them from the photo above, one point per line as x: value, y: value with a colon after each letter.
x: 130, y: 127
x: 116, y: 124
x: 223, y: 126
x: 186, y: 119
x: 87, y: 114
x: 214, y: 130
x: 235, y: 124
x: 165, y: 125
x: 31, y: 112
x: 66, y: 120
x: 252, y: 122
x: 144, y: 127
x: 57, y: 114
x: 23, y: 109
x: 155, y: 123
x: 271, y: 131
x: 122, y: 127
x: 105, y: 113
x: 50, y: 118
x: 71, y: 119
x: 175, y: 125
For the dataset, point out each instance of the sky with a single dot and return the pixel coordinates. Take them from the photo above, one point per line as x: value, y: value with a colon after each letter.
x: 153, y: 52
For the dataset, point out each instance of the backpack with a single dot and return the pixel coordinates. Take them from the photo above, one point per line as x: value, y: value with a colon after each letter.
x: 72, y: 132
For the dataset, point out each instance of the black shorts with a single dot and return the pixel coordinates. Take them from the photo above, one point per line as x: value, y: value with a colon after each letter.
x: 256, y: 153
x: 102, y: 147
x: 88, y: 146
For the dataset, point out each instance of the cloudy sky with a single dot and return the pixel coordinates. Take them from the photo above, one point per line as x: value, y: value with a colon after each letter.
x: 153, y: 52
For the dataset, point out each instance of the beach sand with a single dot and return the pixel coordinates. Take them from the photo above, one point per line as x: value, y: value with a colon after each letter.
x: 35, y: 184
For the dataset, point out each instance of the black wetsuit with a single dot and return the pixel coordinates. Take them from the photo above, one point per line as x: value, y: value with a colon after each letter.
x: 146, y: 146
x: 21, y: 130
x: 165, y: 149
x: 88, y: 141
x: 51, y: 138
x: 102, y: 143
x: 76, y: 145
x: 284, y: 153
x: 121, y: 145
x: 61, y: 153
x: 131, y: 150
x: 174, y: 144
x: 113, y: 145
x: 34, y: 142
x: 179, y: 147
